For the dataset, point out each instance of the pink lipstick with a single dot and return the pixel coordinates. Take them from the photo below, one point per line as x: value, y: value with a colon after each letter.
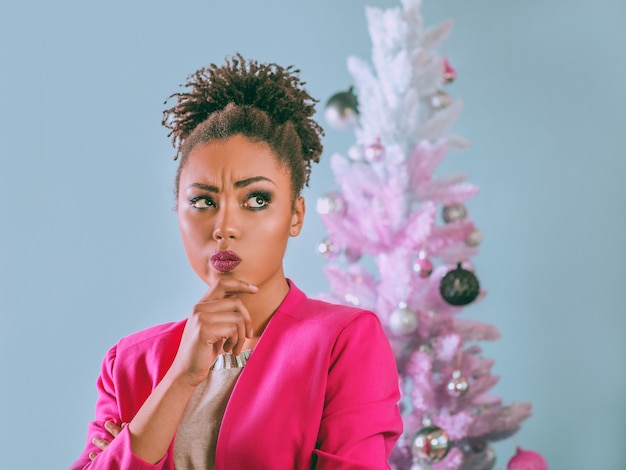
x: 225, y: 261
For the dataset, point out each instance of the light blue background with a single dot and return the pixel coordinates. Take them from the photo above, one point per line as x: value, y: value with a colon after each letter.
x: 89, y: 246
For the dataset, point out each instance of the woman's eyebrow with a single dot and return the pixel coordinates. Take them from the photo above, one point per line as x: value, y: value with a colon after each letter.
x: 205, y: 187
x: 249, y: 181
x: 238, y: 184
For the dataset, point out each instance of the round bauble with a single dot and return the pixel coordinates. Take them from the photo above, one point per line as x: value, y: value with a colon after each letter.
x: 327, y: 249
x: 459, y: 286
x: 431, y: 443
x: 353, y: 255
x: 374, y: 152
x: 449, y: 74
x: 352, y: 299
x: 440, y: 100
x: 453, y: 213
x: 423, y: 265
x: 527, y: 460
x: 355, y: 152
x: 489, y: 459
x: 425, y: 349
x: 421, y: 466
x: 458, y: 385
x: 474, y: 238
x: 331, y: 202
x: 342, y: 110
x: 402, y: 320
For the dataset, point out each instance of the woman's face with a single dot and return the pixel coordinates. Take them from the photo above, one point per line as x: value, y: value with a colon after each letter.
x: 236, y: 212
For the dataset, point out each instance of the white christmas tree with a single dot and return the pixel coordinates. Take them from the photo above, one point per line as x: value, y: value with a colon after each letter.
x: 389, y: 252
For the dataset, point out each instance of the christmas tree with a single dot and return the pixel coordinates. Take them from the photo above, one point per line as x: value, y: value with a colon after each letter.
x: 389, y: 252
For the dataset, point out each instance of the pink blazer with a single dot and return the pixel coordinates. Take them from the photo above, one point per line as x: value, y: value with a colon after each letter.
x: 319, y: 391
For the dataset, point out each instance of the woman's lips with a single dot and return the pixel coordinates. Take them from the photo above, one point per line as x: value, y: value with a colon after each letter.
x: 225, y: 261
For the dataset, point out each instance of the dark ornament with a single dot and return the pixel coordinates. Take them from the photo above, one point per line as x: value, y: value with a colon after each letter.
x: 342, y: 110
x: 459, y: 286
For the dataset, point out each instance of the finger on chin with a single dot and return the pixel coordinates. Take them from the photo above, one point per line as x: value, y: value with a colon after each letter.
x: 228, y: 287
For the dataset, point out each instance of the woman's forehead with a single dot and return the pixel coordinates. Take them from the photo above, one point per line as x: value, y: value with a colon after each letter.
x: 236, y: 159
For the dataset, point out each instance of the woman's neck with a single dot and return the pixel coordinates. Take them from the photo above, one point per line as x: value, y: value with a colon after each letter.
x: 262, y: 305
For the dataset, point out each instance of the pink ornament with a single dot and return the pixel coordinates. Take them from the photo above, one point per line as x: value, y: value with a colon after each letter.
x: 527, y: 460
x: 449, y: 74
x: 353, y: 255
x: 375, y: 152
x: 423, y: 266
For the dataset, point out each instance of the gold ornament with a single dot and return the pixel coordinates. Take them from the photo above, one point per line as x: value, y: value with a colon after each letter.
x: 431, y: 443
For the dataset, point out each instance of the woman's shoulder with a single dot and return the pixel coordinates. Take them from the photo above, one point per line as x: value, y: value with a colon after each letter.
x: 301, y: 307
x: 152, y: 338
x: 330, y: 313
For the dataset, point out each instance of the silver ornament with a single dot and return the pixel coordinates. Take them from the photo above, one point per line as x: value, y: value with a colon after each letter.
x: 355, y: 152
x: 421, y: 465
x: 440, y: 100
x: 453, y: 213
x: 431, y: 444
x: 403, y: 321
x: 458, y: 385
x: 327, y: 249
x: 474, y: 238
x: 481, y: 457
x: 342, y: 110
x: 352, y: 299
x: 331, y: 202
x: 489, y: 459
x: 425, y: 348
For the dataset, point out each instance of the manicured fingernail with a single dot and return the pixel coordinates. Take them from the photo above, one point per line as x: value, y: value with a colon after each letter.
x: 254, y: 288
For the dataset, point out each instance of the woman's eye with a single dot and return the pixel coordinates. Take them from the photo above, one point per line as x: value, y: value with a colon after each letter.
x: 201, y: 203
x: 257, y: 201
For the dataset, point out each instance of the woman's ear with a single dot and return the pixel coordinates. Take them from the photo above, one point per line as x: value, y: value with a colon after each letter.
x: 297, y: 217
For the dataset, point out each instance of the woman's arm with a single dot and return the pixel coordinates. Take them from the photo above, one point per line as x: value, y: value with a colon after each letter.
x: 219, y: 323
x: 118, y: 452
x: 361, y: 420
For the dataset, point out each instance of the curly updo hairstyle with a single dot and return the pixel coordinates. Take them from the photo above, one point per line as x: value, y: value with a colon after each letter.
x: 263, y: 102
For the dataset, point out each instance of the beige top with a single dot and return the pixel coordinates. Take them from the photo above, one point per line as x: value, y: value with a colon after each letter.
x: 196, y: 437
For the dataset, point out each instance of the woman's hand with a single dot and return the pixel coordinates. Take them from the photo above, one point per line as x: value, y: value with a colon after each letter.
x: 219, y: 323
x: 113, y: 429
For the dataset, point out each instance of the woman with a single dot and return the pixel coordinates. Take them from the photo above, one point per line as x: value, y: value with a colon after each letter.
x: 258, y: 376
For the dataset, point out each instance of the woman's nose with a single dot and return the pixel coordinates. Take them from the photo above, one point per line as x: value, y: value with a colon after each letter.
x: 226, y: 226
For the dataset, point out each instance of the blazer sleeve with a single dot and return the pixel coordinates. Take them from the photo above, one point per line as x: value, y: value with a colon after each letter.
x: 119, y: 454
x: 361, y: 420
